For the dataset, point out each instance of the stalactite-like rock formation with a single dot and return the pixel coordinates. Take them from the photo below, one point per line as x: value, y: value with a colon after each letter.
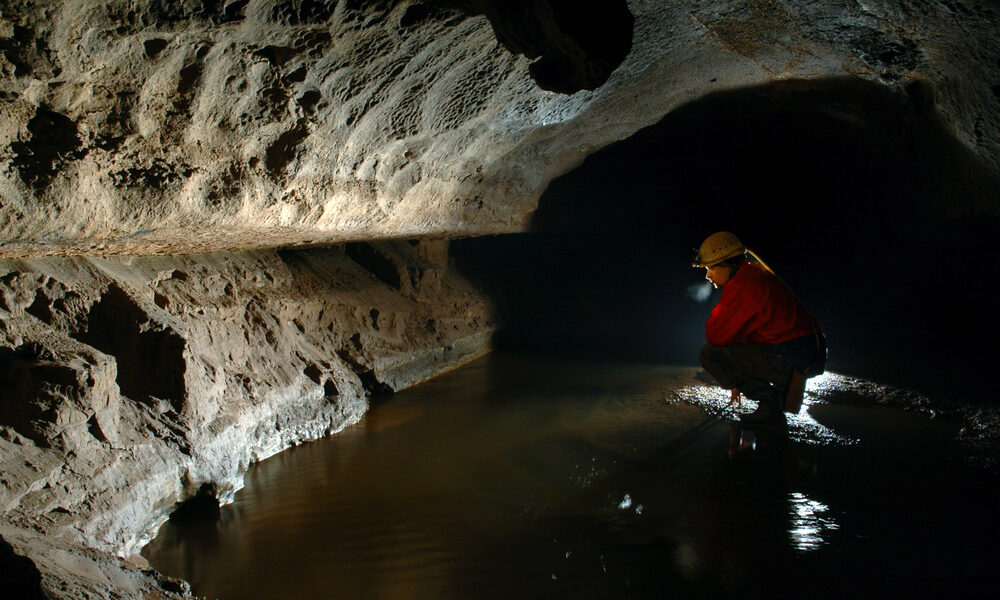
x: 202, y: 208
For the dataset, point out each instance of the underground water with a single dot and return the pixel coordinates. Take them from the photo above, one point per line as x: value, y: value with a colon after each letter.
x: 576, y: 462
x: 528, y: 476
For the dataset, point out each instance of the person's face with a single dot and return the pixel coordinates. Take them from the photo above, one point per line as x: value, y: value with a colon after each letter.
x: 718, y: 275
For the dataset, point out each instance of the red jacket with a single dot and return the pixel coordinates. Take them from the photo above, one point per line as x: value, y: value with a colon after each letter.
x: 755, y: 307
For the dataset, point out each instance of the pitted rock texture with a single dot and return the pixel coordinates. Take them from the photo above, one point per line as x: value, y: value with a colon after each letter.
x: 134, y: 384
x: 148, y: 127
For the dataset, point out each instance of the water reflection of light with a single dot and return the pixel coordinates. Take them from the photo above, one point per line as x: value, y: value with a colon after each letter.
x: 626, y: 504
x: 802, y: 427
x: 809, y: 522
x: 820, y: 382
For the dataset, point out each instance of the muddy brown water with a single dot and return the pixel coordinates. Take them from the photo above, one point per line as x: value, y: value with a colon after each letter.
x: 533, y: 477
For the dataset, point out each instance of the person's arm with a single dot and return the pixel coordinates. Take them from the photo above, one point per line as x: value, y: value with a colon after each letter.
x: 733, y: 318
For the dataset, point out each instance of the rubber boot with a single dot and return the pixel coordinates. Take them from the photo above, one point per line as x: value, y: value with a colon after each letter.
x: 770, y: 408
x: 796, y: 389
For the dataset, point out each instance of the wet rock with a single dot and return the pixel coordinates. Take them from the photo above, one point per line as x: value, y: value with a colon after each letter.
x: 978, y: 423
x: 135, y: 384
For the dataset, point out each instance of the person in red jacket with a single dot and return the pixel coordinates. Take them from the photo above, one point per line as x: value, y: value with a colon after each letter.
x: 759, y: 335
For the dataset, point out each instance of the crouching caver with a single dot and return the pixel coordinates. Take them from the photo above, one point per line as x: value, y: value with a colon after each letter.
x: 761, y: 341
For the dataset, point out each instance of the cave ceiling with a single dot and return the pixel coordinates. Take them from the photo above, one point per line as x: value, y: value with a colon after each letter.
x: 143, y: 127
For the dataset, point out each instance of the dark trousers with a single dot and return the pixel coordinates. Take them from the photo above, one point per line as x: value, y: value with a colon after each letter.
x: 760, y: 372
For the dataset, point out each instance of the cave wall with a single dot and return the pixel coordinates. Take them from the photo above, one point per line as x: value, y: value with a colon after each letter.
x: 155, y: 154
x: 132, y: 384
x: 138, y: 127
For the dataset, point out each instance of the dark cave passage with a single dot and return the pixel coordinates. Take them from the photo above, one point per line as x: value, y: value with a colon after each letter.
x: 876, y: 217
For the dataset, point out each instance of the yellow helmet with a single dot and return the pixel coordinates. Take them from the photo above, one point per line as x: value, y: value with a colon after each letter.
x: 717, y: 248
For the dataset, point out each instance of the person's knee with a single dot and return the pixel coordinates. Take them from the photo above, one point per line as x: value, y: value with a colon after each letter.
x: 709, y: 355
x: 713, y: 362
x: 718, y: 362
x: 706, y: 350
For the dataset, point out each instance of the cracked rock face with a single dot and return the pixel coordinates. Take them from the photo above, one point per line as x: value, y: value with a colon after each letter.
x: 139, y: 127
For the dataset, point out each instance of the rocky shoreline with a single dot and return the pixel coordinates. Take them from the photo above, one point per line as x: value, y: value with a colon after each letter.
x: 140, y: 383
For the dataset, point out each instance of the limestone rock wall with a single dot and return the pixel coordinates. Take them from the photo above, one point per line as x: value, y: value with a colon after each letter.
x: 145, y: 126
x: 154, y: 154
x: 132, y: 384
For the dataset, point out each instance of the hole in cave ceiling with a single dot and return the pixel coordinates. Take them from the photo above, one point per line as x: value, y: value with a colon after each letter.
x: 574, y: 46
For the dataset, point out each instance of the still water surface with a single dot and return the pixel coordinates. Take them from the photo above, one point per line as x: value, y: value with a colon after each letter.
x: 531, y: 477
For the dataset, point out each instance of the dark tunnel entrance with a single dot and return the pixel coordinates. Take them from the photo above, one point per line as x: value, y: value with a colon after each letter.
x: 855, y: 195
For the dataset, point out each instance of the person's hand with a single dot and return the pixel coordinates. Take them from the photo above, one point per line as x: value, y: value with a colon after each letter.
x: 735, y: 398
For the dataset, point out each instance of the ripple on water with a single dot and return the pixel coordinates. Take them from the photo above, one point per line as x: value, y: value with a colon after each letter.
x: 545, y: 479
x: 810, y: 522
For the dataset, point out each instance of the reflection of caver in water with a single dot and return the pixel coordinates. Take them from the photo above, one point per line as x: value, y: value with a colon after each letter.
x: 761, y: 340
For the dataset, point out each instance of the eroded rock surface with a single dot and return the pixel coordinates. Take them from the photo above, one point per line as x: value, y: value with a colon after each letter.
x: 154, y: 127
x: 133, y: 384
x: 221, y: 130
